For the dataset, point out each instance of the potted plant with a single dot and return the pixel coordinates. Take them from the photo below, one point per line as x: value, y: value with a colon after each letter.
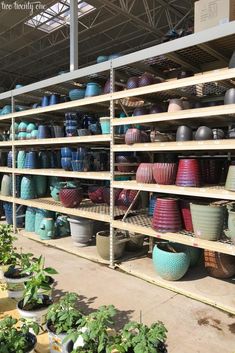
x: 7, y: 253
x: 62, y: 317
x: 93, y: 334
x: 35, y: 302
x: 15, y: 338
x: 138, y: 338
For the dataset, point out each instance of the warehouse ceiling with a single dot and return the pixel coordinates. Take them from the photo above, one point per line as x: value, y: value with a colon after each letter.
x: 35, y: 44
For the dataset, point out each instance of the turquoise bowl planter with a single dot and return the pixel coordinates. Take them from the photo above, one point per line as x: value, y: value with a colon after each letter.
x: 41, y: 185
x: 105, y: 125
x: 31, y: 127
x: 77, y: 93
x: 169, y: 265
x: 16, y: 128
x: 22, y: 126
x: 6, y: 110
x: 30, y: 215
x: 92, y: 89
x: 27, y: 188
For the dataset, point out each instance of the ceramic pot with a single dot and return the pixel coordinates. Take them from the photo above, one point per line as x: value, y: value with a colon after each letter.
x: 114, y: 56
x: 231, y: 133
x: 66, y: 163
x: 132, y: 82
x: 71, y: 131
x: 28, y: 189
x: 92, y: 89
x: 96, y: 193
x: 81, y: 230
x: 55, y: 190
x: 152, y: 203
x: 57, y: 131
x: 166, y: 217
x: 170, y: 266
x: 144, y: 173
x: 203, y: 133
x: 184, y: 133
x: 218, y: 134
x: 22, y: 127
x: 20, y: 211
x: 188, y: 173
x: 17, y: 186
x: 43, y: 132
x: 125, y: 198
x: 229, y: 97
x: 175, y: 105
x: 102, y: 58
x: 155, y: 109
x: 146, y: 79
x: 135, y: 242
x: 39, y: 216
x: 127, y: 160
x: 103, y: 245
x: 44, y: 160
x: 77, y: 93
x: 66, y: 152
x: 41, y: 185
x: 230, y: 180
x: 83, y: 132
x: 47, y: 229
x: 232, y: 61
x: 71, y: 197
x: 219, y: 265
x: 31, y: 160
x: 95, y: 128
x: 184, y: 74
x: 30, y: 215
x: 80, y: 166
x: 6, y: 185
x: 62, y: 227
x: 132, y: 136
x: 31, y: 127
x: 9, y: 159
x: 45, y: 101
x: 105, y: 125
x: 211, y: 171
x: 22, y: 136
x: 140, y: 111
x: 54, y: 99
x: 208, y: 221
x: 34, y: 134
x: 186, y: 215
x: 164, y: 173
x: 79, y: 154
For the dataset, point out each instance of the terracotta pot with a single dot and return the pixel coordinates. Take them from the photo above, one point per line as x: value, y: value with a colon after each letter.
x: 133, y: 82
x: 71, y: 197
x: 229, y: 97
x: 175, y: 105
x: 230, y: 180
x: 166, y: 217
x: 208, y: 221
x: 184, y: 133
x: 125, y: 159
x: 146, y: 79
x: 211, y: 171
x: 188, y: 173
x: 219, y: 265
x: 96, y: 193
x: 125, y: 199
x: 186, y: 215
x: 144, y: 173
x: 165, y: 173
x: 132, y: 136
x: 203, y: 133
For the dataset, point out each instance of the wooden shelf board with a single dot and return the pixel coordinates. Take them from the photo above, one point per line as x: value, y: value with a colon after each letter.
x: 64, y: 140
x: 216, y: 192
x: 180, y: 115
x: 196, y: 284
x: 142, y: 224
x: 212, y: 145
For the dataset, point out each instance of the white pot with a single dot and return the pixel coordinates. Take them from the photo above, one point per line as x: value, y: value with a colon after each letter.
x: 38, y: 316
x: 81, y: 230
x: 55, y: 342
x: 15, y: 286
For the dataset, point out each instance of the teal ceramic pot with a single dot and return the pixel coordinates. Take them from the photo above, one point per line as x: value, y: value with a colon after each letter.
x: 30, y: 215
x: 6, y: 185
x: 31, y: 127
x: 47, y: 229
x: 28, y: 188
x: 41, y: 185
x: 22, y: 135
x: 92, y: 89
x: 16, y: 128
x: 22, y: 126
x: 39, y: 216
x: 102, y: 58
x: 6, y: 110
x: 105, y: 125
x: 77, y: 93
x: 169, y: 265
x: 34, y: 134
x: 28, y: 136
x: 62, y: 227
x: 55, y: 190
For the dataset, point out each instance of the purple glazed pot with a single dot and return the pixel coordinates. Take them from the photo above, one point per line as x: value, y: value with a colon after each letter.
x: 144, y: 173
x: 188, y: 173
x: 133, y: 82
x: 166, y: 217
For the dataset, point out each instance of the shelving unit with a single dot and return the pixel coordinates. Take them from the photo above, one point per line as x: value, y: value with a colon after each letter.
x: 199, y: 49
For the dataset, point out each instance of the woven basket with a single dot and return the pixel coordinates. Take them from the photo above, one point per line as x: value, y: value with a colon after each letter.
x: 219, y: 265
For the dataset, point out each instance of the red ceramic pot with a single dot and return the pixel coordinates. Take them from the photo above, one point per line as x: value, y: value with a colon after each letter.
x: 146, y: 79
x: 127, y: 168
x: 189, y: 173
x: 125, y: 199
x: 186, y: 215
x: 133, y: 82
x: 96, y: 193
x: 106, y: 195
x: 211, y: 171
x: 132, y: 136
x: 165, y: 173
x: 144, y: 173
x: 71, y: 197
x: 166, y: 217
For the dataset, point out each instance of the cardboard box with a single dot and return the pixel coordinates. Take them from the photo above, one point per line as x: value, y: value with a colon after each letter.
x: 211, y: 13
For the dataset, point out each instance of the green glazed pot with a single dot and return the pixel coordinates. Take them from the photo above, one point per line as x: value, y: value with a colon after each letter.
x: 39, y: 216
x: 41, y: 185
x: 30, y: 215
x: 208, y: 221
x: 230, y: 180
x: 47, y: 229
x: 27, y: 188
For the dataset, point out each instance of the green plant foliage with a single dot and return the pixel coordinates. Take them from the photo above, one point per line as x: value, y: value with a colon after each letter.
x: 64, y: 315
x: 13, y: 338
x: 8, y: 256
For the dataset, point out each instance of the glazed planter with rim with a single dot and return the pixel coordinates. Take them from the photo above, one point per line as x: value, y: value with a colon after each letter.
x: 56, y: 341
x: 170, y: 266
x: 230, y: 180
x: 219, y: 265
x: 15, y: 284
x: 103, y: 245
x: 81, y: 230
x: 132, y: 136
x: 186, y: 215
x: 165, y: 173
x: 92, y: 89
x: 144, y: 173
x: 71, y: 197
x: 166, y: 217
x: 188, y: 173
x: 96, y: 193
x: 208, y: 221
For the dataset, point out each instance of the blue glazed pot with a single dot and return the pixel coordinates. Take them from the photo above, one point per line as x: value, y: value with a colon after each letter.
x: 152, y: 203
x: 34, y: 134
x: 169, y: 265
x: 28, y: 188
x: 72, y: 123
x: 88, y: 120
x: 66, y: 152
x: 30, y: 215
x: 105, y: 125
x: 31, y: 160
x: 66, y: 163
x: 41, y: 185
x: 95, y: 128
x: 55, y: 190
x: 71, y: 131
x: 17, y: 187
x: 71, y: 116
x: 6, y: 110
x: 18, y: 85
x: 16, y: 128
x: 92, y: 89
x: 102, y: 58
x: 44, y: 160
x: 9, y: 159
x: 54, y: 99
x: 45, y: 101
x: 53, y: 160
x: 78, y: 165
x: 77, y: 93
x: 20, y: 211
x: 114, y: 56
x: 79, y: 154
x: 43, y: 132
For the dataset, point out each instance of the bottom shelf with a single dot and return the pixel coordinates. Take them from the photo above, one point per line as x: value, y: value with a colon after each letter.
x: 196, y: 284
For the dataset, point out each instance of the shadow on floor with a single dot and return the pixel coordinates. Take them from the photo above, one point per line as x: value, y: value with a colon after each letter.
x: 7, y: 305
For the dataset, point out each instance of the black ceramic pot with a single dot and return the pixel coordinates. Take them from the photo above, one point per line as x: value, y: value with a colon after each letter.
x: 229, y: 97
x: 184, y: 133
x: 203, y: 133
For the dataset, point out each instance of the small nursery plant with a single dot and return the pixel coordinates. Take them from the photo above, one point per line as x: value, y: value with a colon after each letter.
x: 8, y: 256
x: 64, y: 315
x: 17, y: 339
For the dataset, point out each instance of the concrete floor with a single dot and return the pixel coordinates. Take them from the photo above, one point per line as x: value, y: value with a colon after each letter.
x: 192, y: 326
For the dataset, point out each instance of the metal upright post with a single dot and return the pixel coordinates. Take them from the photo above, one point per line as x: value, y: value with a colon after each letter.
x: 73, y: 35
x: 13, y: 166
x: 112, y: 162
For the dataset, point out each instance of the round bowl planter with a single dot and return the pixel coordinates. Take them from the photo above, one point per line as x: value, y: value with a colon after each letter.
x: 229, y: 97
x: 92, y: 89
x: 208, y: 221
x: 125, y: 198
x: 188, y: 173
x: 230, y: 180
x: 203, y: 133
x: 146, y: 79
x: 170, y: 265
x: 55, y: 340
x: 77, y: 93
x: 133, y: 82
x: 106, y: 195
x: 144, y: 173
x: 15, y: 283
x: 127, y: 160
x: 165, y: 173
x: 186, y: 215
x: 103, y: 245
x: 166, y: 217
x: 219, y: 265
x: 96, y: 193
x: 81, y: 230
x: 184, y: 133
x: 71, y: 197
x: 132, y: 136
